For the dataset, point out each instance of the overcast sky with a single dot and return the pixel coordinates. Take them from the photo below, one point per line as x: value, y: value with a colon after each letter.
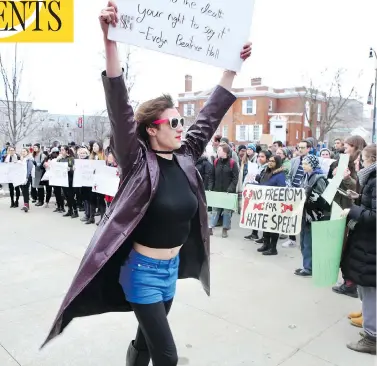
x: 291, y: 38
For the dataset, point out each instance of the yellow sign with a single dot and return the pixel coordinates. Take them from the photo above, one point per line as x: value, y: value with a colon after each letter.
x: 37, y: 21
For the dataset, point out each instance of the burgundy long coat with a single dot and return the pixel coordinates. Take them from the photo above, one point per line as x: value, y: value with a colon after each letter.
x: 95, y: 288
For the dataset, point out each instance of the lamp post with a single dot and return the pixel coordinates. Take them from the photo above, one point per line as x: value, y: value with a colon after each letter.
x: 372, y: 53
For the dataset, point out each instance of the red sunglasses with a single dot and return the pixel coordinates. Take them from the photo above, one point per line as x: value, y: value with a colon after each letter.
x: 174, y: 122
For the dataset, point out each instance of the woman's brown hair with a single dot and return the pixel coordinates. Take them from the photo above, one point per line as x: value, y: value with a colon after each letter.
x: 150, y: 111
x: 370, y: 152
x: 357, y: 142
x: 225, y: 147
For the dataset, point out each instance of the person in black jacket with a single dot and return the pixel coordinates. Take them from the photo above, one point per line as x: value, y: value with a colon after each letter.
x: 224, y: 179
x: 359, y: 258
x: 205, y: 169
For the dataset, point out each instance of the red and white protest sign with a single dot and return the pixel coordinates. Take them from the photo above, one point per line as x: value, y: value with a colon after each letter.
x: 272, y: 209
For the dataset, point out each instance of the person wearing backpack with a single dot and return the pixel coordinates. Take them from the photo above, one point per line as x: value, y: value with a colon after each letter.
x: 224, y: 179
x: 315, y: 209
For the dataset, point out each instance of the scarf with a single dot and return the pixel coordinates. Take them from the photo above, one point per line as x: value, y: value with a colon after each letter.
x: 364, y: 174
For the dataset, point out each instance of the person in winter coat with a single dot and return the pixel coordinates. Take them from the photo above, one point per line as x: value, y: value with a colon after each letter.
x: 38, y: 160
x: 27, y: 160
x: 12, y: 157
x: 224, y: 179
x: 205, y: 169
x: 359, y: 258
x: 353, y: 146
x: 273, y: 176
x: 283, y: 152
x: 58, y: 192
x: 262, y: 161
x: 110, y: 161
x: 315, y: 209
x: 66, y: 156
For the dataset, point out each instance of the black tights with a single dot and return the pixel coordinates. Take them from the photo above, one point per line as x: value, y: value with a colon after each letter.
x: 154, y: 334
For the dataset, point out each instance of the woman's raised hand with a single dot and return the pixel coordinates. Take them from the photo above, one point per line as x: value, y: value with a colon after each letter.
x: 246, y: 51
x: 108, y: 15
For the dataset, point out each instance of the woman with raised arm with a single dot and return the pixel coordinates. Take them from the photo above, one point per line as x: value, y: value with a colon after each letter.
x: 156, y: 229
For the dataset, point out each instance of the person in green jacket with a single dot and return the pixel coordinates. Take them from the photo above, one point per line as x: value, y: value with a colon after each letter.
x: 283, y: 153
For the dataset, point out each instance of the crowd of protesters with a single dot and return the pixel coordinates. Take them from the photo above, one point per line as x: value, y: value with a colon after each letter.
x: 70, y: 200
x: 225, y: 169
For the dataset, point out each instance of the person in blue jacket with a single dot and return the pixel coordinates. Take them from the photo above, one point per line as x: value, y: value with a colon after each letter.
x: 273, y: 176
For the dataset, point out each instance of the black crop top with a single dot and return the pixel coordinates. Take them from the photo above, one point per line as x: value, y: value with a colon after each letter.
x: 167, y: 222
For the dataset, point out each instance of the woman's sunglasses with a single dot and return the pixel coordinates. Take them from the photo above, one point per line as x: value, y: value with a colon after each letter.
x: 174, y: 122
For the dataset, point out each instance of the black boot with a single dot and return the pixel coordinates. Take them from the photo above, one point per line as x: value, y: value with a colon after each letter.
x: 135, y: 357
x: 68, y: 214
x: 12, y: 204
x: 272, y: 248
x: 266, y: 245
x: 75, y: 214
x: 92, y: 211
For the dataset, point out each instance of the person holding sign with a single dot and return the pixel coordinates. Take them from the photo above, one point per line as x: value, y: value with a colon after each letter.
x: 273, y: 176
x: 156, y: 229
x: 12, y: 157
x: 224, y: 179
x: 359, y: 258
x: 315, y: 209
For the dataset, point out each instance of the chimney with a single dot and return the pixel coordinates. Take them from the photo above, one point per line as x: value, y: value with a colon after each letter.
x: 256, y: 81
x: 188, y: 83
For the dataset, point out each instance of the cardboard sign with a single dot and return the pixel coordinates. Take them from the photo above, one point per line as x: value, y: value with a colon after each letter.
x: 106, y: 180
x: 272, y: 209
x: 334, y: 184
x: 212, y: 32
x: 327, y: 247
x: 58, y: 174
x: 14, y: 173
x: 84, y: 172
x: 228, y: 201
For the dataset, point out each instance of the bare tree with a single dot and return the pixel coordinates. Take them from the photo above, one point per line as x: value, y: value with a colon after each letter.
x: 126, y: 55
x: 18, y: 119
x: 51, y: 132
x: 330, y: 105
x: 99, y: 126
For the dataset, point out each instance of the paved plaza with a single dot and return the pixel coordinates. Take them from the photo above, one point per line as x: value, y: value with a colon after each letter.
x: 259, y: 313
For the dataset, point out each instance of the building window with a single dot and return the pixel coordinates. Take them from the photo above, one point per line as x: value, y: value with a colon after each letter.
x: 319, y: 110
x: 255, y: 132
x: 307, y: 114
x: 249, y: 107
x: 296, y: 135
x: 318, y: 132
x: 189, y: 110
x: 303, y: 135
x: 270, y: 106
x: 70, y: 134
x: 67, y: 125
x: 225, y: 131
x: 241, y: 133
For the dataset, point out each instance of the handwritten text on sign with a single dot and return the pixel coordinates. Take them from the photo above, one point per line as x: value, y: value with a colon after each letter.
x: 212, y: 32
x: 272, y: 209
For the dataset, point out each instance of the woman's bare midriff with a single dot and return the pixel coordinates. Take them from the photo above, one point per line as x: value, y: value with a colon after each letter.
x: 162, y: 254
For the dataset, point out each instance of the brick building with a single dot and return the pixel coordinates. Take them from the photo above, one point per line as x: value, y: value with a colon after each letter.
x: 258, y: 110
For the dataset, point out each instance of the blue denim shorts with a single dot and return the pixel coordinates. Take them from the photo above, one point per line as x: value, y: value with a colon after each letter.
x: 146, y: 280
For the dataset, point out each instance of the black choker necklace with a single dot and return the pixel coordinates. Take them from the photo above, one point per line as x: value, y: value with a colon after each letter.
x: 162, y: 152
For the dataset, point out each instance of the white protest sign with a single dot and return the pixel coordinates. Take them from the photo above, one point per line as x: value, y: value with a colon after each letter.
x: 58, y: 174
x: 325, y: 164
x: 14, y: 173
x: 84, y: 172
x: 4, y: 173
x: 18, y: 173
x: 212, y: 32
x: 334, y: 184
x: 272, y: 209
x: 252, y: 172
x: 106, y: 180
